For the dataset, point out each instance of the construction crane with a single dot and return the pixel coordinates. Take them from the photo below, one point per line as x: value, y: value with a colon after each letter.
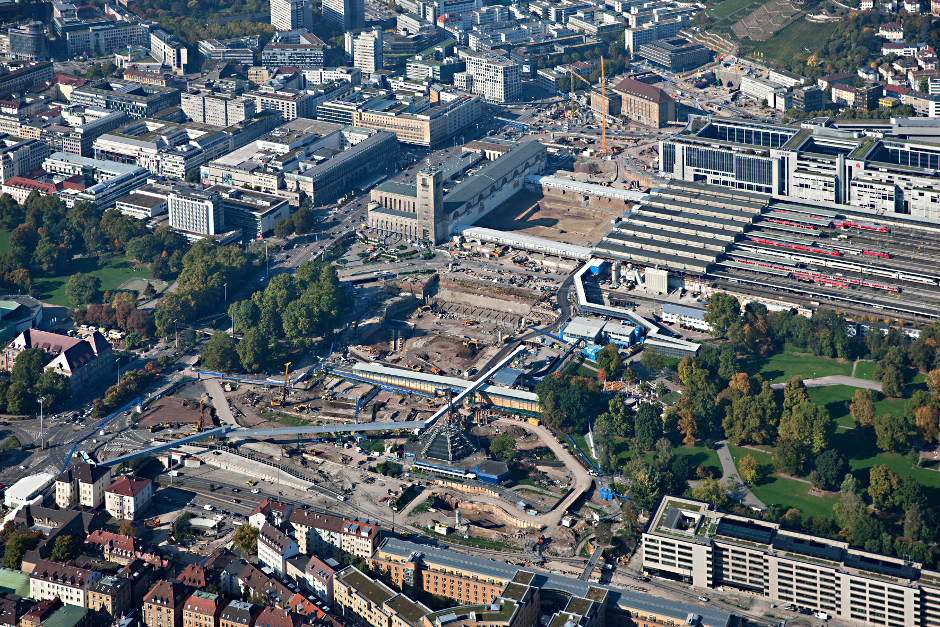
x: 198, y: 428
x: 603, y: 104
x: 284, y: 389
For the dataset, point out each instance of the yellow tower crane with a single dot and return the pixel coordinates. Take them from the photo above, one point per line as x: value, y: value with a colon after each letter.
x: 604, y: 103
x: 284, y: 389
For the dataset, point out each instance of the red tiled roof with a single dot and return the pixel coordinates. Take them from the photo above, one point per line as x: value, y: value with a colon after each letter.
x: 126, y: 485
x: 113, y: 541
x: 274, y: 617
x: 194, y: 575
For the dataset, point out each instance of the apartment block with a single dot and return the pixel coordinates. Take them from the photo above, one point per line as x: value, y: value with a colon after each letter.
x: 322, y: 534
x: 216, y: 109
x: 492, y: 76
x: 360, y: 598
x: 289, y: 15
x: 203, y: 609
x: 128, y: 497
x: 239, y: 614
x: 112, y: 595
x: 82, y: 484
x: 347, y: 14
x: 274, y: 548
x: 163, y: 605
x: 70, y: 584
x: 299, y: 49
x: 365, y: 49
x: 290, y: 103
x: 168, y: 50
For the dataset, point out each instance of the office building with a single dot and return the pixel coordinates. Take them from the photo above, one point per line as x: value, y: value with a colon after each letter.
x: 216, y: 109
x: 365, y: 48
x: 807, y: 99
x: 432, y: 127
x: 196, y: 211
x: 689, y: 541
x: 327, y: 75
x: 867, y: 96
x: 492, y: 76
x: 785, y: 78
x: 645, y: 103
x: 290, y: 103
x: 137, y: 101
x: 287, y: 15
x: 652, y: 31
x: 241, y: 49
x: 19, y: 156
x: 84, y: 362
x: 146, y: 202
x: 102, y: 36
x: 819, y: 164
x: 25, y: 42
x: 758, y: 88
x: 82, y: 484
x: 350, y: 15
x: 521, y: 595
x: 166, y: 49
x: 298, y: 49
x: 26, y: 76
x: 423, y: 212
x: 675, y: 54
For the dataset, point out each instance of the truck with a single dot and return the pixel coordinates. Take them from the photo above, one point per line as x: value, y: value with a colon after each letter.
x: 821, y: 615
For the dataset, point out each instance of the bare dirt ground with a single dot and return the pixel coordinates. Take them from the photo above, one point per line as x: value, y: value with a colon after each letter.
x: 553, y: 218
x: 174, y: 410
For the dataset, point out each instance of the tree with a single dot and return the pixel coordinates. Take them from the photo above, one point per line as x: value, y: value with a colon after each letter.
x: 20, y: 400
x: 503, y: 448
x: 710, y: 491
x: 219, y: 353
x: 127, y: 528
x: 892, y: 433
x: 645, y: 489
x: 913, y: 522
x: 794, y: 393
x: 603, y: 534
x: 65, y: 549
x: 752, y: 419
x: 750, y: 469
x: 18, y: 544
x: 892, y: 383
x: 28, y: 367
x: 923, y: 86
x: 246, y: 538
x: 303, y: 220
x: 83, y: 289
x: 789, y: 456
x: 831, y: 467
x: 608, y: 359
x: 927, y: 420
x: 883, y: 484
x: 284, y: 227
x: 862, y: 409
x: 724, y: 311
x: 933, y: 381
x: 254, y: 351
x: 648, y: 425
x: 809, y: 424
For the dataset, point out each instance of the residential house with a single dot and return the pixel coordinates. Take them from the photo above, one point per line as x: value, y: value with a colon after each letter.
x: 193, y: 576
x: 892, y: 31
x: 277, y: 617
x: 12, y: 609
x: 274, y: 512
x: 163, y: 605
x: 40, y: 612
x: 255, y: 581
x: 69, y: 616
x: 275, y: 547
x: 128, y: 497
x: 49, y: 580
x: 203, y: 609
x: 322, y: 534
x: 113, y: 547
x: 111, y: 594
x: 319, y: 574
x: 239, y: 614
x: 82, y: 484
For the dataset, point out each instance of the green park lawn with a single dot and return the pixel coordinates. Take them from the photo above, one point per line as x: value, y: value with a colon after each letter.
x: 52, y: 289
x: 836, y: 399
x: 866, y: 370
x: 785, y: 492
x: 780, y: 367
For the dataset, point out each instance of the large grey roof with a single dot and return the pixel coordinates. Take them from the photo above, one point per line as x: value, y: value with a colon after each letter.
x: 489, y: 174
x: 681, y: 310
x: 491, y: 568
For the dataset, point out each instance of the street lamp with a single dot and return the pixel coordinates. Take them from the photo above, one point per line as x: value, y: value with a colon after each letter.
x: 177, y: 330
x: 225, y: 286
x: 42, y: 442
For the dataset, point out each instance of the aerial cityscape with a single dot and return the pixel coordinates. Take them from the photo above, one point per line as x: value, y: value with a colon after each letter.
x: 466, y: 313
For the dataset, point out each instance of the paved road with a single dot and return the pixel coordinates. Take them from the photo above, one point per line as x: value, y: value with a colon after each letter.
x: 744, y: 495
x: 214, y: 389
x: 837, y: 379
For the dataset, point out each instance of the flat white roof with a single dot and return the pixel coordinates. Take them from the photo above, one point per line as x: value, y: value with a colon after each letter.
x: 525, y: 242
x: 585, y: 188
x: 442, y: 382
x: 584, y: 327
x: 29, y: 486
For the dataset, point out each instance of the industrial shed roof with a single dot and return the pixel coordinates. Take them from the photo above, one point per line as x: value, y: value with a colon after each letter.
x: 704, y: 231
x: 626, y: 231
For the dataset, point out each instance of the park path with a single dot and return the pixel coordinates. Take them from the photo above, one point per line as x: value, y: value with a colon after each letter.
x: 836, y: 379
x: 744, y: 494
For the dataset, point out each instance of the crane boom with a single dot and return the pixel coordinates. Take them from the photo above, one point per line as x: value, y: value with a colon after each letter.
x: 603, y: 97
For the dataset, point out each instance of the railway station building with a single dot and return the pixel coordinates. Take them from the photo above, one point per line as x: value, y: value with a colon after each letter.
x: 423, y: 212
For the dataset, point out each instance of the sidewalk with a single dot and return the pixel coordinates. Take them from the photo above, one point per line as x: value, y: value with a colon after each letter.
x: 744, y: 494
x: 837, y: 379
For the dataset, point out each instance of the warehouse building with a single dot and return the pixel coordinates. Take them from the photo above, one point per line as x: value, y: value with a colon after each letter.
x: 691, y: 317
x: 425, y: 213
x: 813, y: 163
